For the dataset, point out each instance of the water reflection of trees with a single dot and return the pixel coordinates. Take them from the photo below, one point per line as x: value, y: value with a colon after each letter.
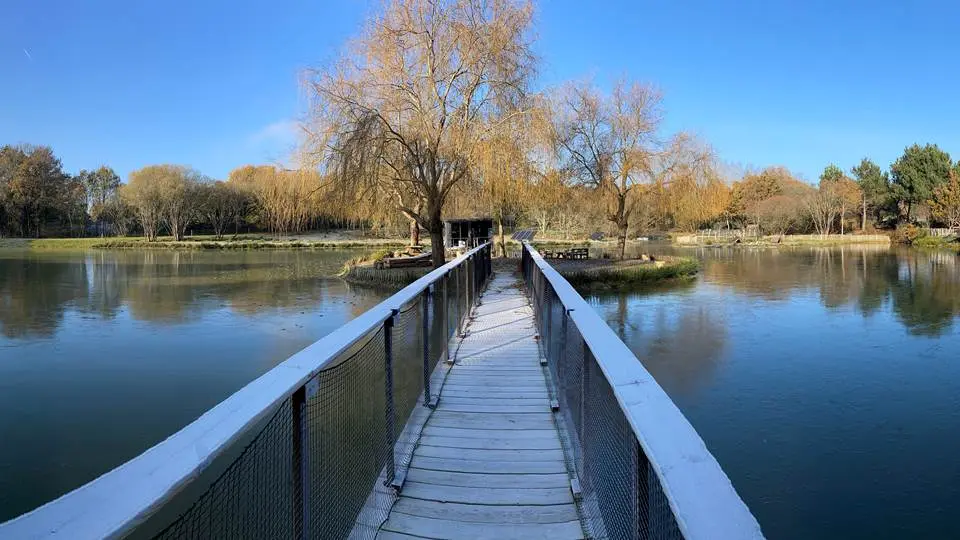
x: 678, y: 343
x: 37, y: 289
x: 921, y: 288
x: 33, y: 295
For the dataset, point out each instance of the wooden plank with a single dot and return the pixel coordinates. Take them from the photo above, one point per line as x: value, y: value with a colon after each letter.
x: 509, y: 394
x: 492, y: 443
x: 442, y: 528
x: 505, y: 386
x: 480, y: 481
x: 509, y: 434
x: 482, y: 400
x: 499, y: 456
x: 478, y: 513
x: 491, y: 496
x: 488, y: 467
x: 520, y: 369
x: 484, y: 378
x: 498, y: 382
x: 490, y: 420
x: 493, y: 407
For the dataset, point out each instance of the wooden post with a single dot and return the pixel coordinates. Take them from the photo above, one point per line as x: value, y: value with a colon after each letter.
x: 641, y: 493
x: 426, y: 346
x: 298, y: 463
x: 446, y: 317
x: 457, y: 300
x: 547, y: 336
x: 388, y: 393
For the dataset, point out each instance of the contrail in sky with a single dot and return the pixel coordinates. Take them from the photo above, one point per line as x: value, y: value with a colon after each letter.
x: 28, y: 55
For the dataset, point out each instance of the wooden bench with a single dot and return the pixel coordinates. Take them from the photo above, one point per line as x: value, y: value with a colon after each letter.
x: 408, y: 262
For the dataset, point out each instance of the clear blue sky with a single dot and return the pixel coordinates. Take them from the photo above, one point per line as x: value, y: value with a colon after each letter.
x: 214, y: 84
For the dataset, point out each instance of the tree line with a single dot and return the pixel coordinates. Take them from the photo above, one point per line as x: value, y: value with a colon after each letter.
x: 433, y: 111
x: 38, y: 198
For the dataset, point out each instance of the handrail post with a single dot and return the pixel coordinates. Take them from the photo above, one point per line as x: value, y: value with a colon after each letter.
x: 584, y: 401
x: 446, y: 317
x: 466, y: 282
x: 548, y: 327
x: 298, y: 464
x: 457, y: 299
x: 561, y: 366
x: 388, y: 389
x: 426, y: 347
x: 641, y: 490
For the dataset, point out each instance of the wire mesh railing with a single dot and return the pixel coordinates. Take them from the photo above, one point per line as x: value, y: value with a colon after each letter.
x: 315, y: 448
x: 641, y: 470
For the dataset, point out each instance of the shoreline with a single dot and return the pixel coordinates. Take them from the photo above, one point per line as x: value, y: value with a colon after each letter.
x: 789, y: 240
x: 195, y: 243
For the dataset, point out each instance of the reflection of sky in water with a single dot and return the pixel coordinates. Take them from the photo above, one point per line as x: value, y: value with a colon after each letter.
x: 826, y: 382
x: 104, y: 354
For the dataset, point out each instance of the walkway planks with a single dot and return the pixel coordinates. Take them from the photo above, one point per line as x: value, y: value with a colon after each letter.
x: 489, y: 462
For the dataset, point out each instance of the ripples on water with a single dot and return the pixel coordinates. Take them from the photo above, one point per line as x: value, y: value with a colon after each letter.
x: 103, y: 354
x: 825, y: 381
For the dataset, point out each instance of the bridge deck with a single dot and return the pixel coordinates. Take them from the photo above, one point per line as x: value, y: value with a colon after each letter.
x: 489, y: 463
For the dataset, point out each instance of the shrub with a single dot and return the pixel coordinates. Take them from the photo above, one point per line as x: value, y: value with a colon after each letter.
x: 909, y: 233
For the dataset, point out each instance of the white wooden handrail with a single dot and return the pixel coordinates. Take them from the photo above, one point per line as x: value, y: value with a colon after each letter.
x: 703, y: 500
x: 116, y: 502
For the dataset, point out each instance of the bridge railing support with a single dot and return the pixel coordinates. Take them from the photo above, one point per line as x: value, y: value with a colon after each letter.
x: 643, y: 471
x: 314, y: 448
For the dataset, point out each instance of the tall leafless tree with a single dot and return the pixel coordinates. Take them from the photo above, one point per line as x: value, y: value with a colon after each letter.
x: 408, y: 104
x: 611, y: 142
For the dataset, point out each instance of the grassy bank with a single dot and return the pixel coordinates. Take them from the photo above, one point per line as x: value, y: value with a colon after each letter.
x: 194, y: 243
x: 937, y: 242
x: 383, y: 277
x: 609, y: 275
x: 696, y: 240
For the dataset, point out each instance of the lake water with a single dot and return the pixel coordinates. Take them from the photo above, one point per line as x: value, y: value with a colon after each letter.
x: 104, y: 354
x: 825, y: 381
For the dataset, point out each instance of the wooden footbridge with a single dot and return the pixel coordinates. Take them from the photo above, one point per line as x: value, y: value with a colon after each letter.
x: 490, y: 463
x: 471, y: 404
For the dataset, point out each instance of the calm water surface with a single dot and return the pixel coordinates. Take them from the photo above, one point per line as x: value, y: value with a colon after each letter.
x: 825, y: 381
x: 104, y: 354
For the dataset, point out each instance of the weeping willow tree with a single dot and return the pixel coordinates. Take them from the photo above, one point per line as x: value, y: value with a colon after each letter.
x: 503, y: 172
x: 404, y: 112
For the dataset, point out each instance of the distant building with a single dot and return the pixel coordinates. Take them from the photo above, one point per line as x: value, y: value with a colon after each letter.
x: 467, y: 232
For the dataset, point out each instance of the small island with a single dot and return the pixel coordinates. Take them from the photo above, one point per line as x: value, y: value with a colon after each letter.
x: 607, y: 274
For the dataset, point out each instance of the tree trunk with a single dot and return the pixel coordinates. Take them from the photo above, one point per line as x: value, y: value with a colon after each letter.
x: 436, y: 240
x: 414, y: 233
x: 863, y: 222
x: 843, y: 212
x: 503, y: 241
x: 622, y: 239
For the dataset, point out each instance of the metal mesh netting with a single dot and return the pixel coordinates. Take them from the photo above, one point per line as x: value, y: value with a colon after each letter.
x: 621, y: 494
x: 257, y: 483
x: 407, y: 360
x: 319, y: 465
x: 347, y: 440
x: 330, y: 423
